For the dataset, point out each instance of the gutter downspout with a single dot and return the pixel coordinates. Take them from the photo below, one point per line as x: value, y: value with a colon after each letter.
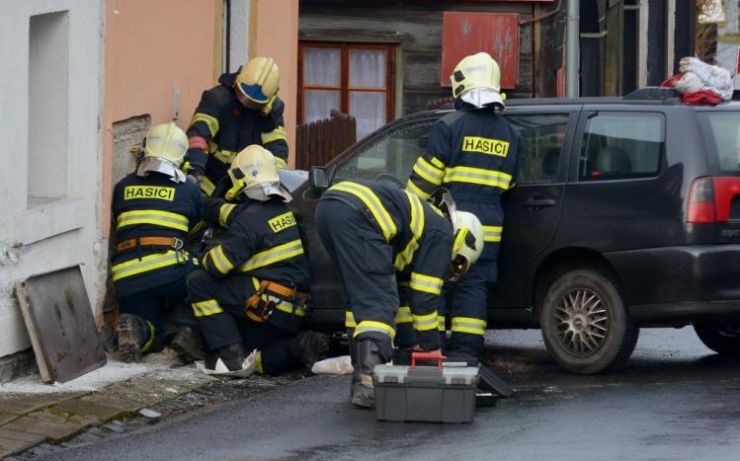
x: 572, y: 49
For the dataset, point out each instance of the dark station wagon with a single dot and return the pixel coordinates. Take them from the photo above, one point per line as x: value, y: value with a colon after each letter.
x: 626, y: 215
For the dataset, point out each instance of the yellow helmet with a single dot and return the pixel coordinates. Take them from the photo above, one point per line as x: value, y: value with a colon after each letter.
x: 166, y: 141
x: 254, y: 171
x: 258, y: 80
x: 477, y: 80
x: 468, y: 243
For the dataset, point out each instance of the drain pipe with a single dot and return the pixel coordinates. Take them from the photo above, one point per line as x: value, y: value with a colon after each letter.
x: 572, y: 49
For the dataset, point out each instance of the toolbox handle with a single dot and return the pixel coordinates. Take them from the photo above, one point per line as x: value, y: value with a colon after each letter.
x: 427, y: 356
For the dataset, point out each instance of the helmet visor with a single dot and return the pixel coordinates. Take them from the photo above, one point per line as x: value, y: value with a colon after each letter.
x: 253, y: 92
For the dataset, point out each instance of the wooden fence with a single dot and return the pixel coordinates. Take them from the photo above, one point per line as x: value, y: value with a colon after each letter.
x: 320, y: 141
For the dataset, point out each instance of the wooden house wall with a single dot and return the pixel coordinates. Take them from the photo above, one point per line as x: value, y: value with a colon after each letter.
x: 416, y: 27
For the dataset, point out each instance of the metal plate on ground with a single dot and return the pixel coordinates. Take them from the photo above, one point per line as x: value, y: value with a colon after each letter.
x: 60, y: 323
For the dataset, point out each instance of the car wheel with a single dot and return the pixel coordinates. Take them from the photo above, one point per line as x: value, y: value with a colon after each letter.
x: 721, y: 336
x: 584, y: 322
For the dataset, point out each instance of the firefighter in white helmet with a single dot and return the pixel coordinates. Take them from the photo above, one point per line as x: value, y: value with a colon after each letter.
x: 474, y: 153
x: 243, y: 109
x: 250, y: 295
x: 383, y: 240
x: 153, y: 208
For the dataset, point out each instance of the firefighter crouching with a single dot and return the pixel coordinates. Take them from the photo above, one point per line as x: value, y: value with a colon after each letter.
x: 373, y: 230
x: 154, y: 207
x: 474, y: 153
x: 243, y: 109
x: 251, y: 290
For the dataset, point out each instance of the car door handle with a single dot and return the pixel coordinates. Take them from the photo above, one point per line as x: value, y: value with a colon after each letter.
x: 539, y: 201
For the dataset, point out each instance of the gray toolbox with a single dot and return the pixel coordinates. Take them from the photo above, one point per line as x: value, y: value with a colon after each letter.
x: 439, y: 394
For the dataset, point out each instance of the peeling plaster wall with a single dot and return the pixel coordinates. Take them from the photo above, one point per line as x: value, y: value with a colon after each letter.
x: 63, y: 230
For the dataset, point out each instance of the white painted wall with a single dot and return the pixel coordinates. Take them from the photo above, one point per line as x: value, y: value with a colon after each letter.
x: 64, y: 230
x: 239, y: 33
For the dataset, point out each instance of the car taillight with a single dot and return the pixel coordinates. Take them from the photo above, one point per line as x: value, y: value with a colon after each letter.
x: 710, y: 199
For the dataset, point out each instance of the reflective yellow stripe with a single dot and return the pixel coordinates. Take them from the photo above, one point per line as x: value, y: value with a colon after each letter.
x: 428, y: 172
x: 426, y: 283
x: 210, y: 121
x: 438, y: 163
x: 155, y: 217
x: 426, y: 322
x: 368, y: 197
x: 492, y: 233
x: 468, y: 325
x: 417, y: 190
x: 404, y: 257
x: 403, y: 315
x: 441, y: 323
x: 483, y: 177
x: 371, y: 326
x: 273, y: 255
x: 149, y: 342
x: 280, y: 163
x: 206, y: 308
x: 206, y: 185
x: 259, y: 368
x: 147, y: 263
x: 349, y: 319
x: 278, y: 134
x: 289, y: 308
x: 222, y: 263
x: 225, y: 156
x: 255, y: 283
x: 224, y: 212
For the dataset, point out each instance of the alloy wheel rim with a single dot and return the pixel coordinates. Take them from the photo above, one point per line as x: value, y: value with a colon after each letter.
x: 582, y: 322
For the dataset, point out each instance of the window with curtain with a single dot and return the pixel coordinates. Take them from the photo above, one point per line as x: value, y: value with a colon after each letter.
x: 352, y: 78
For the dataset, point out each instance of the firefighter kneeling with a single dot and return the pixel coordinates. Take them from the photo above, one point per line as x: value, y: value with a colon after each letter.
x: 373, y: 230
x: 250, y: 291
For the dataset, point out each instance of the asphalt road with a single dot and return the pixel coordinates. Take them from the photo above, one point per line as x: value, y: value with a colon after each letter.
x: 676, y: 400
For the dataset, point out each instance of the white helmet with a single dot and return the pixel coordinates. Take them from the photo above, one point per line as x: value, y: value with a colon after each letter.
x: 254, y: 170
x: 477, y: 81
x: 468, y: 243
x: 164, y: 147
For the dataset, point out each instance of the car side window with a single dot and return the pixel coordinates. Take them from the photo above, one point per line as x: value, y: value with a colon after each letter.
x: 622, y: 145
x: 542, y: 137
x: 393, y: 152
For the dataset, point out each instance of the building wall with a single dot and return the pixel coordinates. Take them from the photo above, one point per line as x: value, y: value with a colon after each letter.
x: 50, y: 94
x: 416, y: 27
x: 159, y: 57
x: 269, y: 16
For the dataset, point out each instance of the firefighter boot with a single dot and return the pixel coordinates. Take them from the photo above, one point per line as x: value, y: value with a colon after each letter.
x: 308, y: 347
x: 363, y: 391
x: 233, y: 356
x: 188, y: 345
x: 134, y: 335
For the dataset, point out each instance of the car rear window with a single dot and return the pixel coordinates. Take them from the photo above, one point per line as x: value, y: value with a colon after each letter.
x: 724, y: 130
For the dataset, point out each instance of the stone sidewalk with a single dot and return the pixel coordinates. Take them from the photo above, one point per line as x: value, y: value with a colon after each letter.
x: 28, y: 419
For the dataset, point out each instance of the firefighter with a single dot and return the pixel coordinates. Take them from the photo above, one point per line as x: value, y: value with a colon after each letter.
x: 474, y: 153
x: 374, y: 230
x: 250, y: 292
x: 153, y: 207
x: 243, y: 109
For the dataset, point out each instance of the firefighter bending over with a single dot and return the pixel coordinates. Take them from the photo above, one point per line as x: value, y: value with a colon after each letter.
x: 373, y: 230
x: 243, y: 109
x: 251, y: 290
x: 474, y: 153
x: 154, y: 207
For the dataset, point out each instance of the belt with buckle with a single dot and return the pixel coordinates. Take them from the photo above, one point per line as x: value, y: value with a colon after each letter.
x: 171, y: 242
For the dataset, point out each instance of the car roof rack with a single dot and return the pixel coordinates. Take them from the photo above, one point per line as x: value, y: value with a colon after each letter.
x: 653, y: 93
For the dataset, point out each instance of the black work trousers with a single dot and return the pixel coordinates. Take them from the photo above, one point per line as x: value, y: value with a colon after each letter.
x: 218, y: 306
x: 364, y: 263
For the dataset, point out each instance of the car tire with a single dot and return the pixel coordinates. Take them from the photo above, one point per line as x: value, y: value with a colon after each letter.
x: 585, y: 324
x: 721, y: 336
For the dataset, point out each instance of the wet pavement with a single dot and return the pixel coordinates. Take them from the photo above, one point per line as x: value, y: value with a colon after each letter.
x: 675, y: 400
